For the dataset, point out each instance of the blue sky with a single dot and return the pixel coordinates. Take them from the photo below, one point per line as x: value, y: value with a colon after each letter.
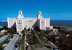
x: 55, y: 9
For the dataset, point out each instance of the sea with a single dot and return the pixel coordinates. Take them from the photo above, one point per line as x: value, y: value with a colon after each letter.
x: 61, y: 22
x: 52, y: 23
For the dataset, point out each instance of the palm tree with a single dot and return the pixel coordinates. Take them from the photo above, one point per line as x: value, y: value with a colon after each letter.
x: 11, y: 31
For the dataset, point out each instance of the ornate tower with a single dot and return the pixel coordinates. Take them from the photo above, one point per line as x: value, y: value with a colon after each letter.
x: 39, y: 15
x: 20, y: 22
x: 20, y: 15
x: 41, y: 21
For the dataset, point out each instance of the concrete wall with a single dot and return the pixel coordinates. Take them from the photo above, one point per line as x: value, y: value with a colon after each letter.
x: 20, y: 24
x: 42, y: 24
x: 11, y: 22
x: 29, y: 22
x: 47, y: 22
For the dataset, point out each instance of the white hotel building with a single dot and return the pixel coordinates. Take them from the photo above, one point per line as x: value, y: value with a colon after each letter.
x: 20, y: 22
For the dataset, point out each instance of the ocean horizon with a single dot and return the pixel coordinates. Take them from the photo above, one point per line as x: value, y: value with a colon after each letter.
x: 52, y: 23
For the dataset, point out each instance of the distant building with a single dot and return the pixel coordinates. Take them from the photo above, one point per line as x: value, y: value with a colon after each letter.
x: 20, y: 22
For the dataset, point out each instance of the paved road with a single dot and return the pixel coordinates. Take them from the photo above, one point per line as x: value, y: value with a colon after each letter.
x: 12, y: 43
x: 31, y: 47
x: 4, y: 37
x: 44, y: 49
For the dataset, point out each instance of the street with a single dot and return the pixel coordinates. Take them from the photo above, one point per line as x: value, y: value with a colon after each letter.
x: 4, y: 37
x: 44, y: 49
x: 12, y: 43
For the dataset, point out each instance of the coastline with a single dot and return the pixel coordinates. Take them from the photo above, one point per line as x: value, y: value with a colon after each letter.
x: 52, y: 23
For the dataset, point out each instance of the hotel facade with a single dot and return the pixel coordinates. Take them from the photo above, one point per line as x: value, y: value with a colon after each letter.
x: 21, y: 22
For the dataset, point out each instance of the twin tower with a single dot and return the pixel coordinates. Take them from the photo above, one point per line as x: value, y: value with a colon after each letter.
x: 20, y: 22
